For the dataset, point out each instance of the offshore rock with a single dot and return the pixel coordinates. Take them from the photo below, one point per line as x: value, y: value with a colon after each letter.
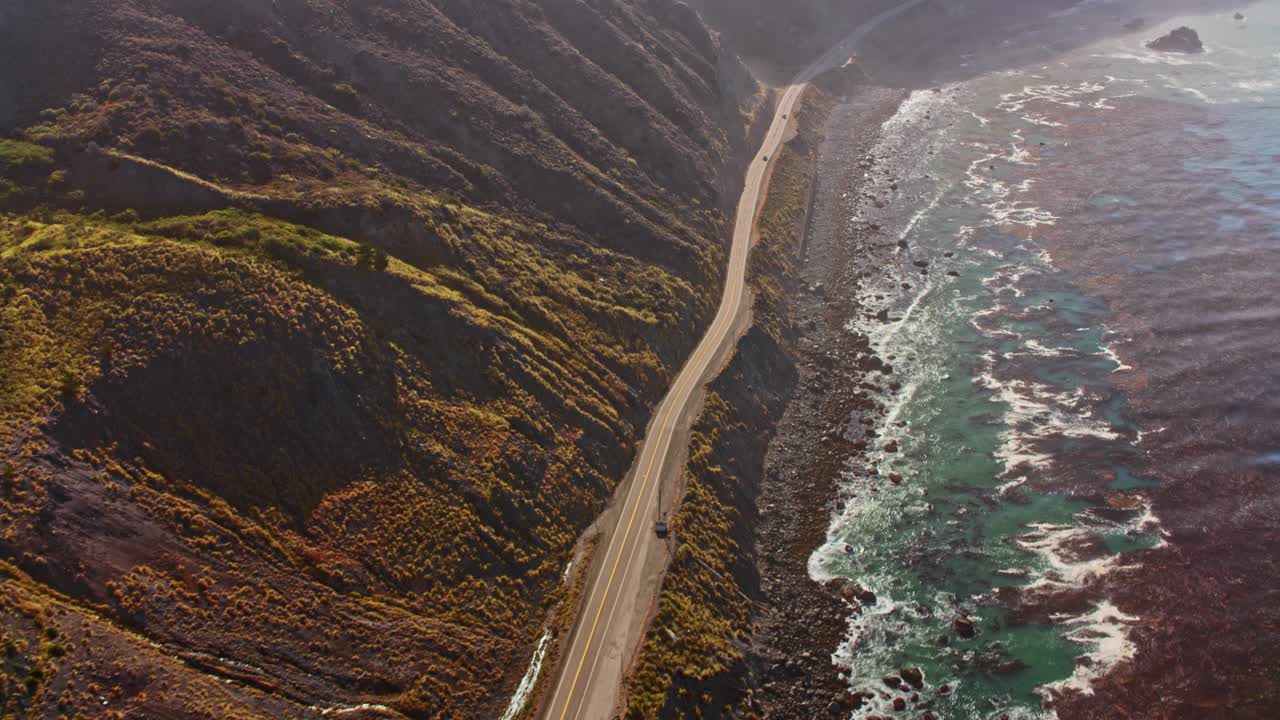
x: 1181, y: 40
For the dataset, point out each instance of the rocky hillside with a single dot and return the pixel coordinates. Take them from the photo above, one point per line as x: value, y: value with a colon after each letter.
x: 326, y: 326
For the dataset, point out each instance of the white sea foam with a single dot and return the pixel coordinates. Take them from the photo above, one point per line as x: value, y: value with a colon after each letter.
x: 1256, y: 86
x: 1110, y: 353
x: 1014, y: 484
x: 1147, y: 56
x: 1036, y: 412
x: 1035, y: 347
x: 881, y: 334
x: 1018, y: 153
x: 1005, y: 208
x: 1197, y: 93
x: 921, y: 105
x: 1053, y: 543
x: 1106, y: 629
x: 1064, y: 95
x: 1042, y: 120
x: 979, y: 323
x: 1112, y: 79
x: 1006, y: 279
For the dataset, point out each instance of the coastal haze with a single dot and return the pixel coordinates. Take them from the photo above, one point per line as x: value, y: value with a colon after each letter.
x: 643, y: 359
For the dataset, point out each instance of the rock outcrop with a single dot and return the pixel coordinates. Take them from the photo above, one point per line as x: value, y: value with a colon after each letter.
x: 1180, y: 40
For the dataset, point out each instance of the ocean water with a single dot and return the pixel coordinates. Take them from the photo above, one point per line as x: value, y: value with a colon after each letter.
x: 1112, y: 205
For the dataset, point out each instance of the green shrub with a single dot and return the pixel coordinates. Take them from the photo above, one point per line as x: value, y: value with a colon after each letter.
x: 15, y: 154
x: 34, y: 678
x: 10, y: 190
x: 69, y: 384
x: 374, y: 258
x: 277, y: 248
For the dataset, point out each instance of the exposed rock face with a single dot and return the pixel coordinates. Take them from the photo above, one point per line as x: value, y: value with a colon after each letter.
x: 1181, y: 40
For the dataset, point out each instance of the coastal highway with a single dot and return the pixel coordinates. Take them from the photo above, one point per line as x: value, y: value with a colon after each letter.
x: 623, y: 586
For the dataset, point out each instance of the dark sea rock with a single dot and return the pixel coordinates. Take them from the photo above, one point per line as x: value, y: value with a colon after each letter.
x: 965, y: 628
x: 845, y: 588
x: 1009, y: 667
x: 913, y: 676
x: 1182, y: 40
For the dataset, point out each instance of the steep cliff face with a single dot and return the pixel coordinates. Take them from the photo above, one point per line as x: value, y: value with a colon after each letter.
x: 325, y: 328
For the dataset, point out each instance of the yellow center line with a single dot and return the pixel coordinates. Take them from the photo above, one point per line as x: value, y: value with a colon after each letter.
x: 678, y: 398
x: 734, y: 287
x: 626, y: 540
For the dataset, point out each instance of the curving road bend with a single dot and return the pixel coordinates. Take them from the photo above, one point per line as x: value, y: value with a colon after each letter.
x: 612, y: 614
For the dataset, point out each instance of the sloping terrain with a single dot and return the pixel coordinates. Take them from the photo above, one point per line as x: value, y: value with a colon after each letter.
x: 325, y: 328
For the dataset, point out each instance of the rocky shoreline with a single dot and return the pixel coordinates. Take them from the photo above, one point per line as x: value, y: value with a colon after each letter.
x: 819, y: 430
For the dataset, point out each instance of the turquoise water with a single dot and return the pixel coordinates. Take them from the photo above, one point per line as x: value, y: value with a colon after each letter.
x: 1022, y: 468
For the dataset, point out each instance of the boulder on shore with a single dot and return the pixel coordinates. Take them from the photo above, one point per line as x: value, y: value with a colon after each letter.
x: 1181, y: 40
x: 847, y: 589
